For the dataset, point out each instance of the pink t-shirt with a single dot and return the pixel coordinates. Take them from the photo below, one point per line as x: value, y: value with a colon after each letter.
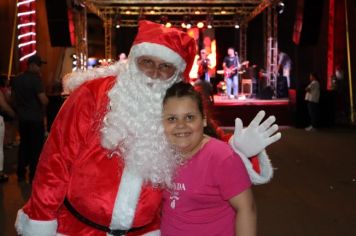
x: 198, y: 203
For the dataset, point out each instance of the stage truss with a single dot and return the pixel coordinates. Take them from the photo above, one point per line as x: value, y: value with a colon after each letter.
x: 225, y: 12
x: 221, y: 13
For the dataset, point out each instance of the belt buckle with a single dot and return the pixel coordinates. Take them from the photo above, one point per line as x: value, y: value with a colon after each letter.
x: 118, y: 232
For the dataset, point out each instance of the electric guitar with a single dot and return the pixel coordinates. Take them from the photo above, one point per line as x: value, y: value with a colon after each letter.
x: 232, y: 70
x: 229, y: 71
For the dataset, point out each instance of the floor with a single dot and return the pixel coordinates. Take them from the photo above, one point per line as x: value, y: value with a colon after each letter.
x: 312, y: 193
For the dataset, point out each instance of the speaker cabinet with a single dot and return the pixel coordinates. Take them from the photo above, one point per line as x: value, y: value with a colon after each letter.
x: 282, y: 87
x: 266, y: 93
x: 58, y: 23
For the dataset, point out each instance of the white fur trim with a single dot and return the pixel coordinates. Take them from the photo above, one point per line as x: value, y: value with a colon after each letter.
x: 160, y: 51
x: 27, y: 227
x: 153, y: 233
x: 77, y: 78
x: 266, y: 169
x: 126, y: 200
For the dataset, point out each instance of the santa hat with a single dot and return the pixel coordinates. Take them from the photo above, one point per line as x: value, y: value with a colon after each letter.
x: 169, y: 44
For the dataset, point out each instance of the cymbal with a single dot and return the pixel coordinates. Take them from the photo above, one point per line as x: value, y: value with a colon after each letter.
x: 220, y: 72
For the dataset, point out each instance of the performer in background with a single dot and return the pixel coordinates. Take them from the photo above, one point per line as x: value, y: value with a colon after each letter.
x: 203, y: 66
x: 231, y: 65
x: 284, y: 66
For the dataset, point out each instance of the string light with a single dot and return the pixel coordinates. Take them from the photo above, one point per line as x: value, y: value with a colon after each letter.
x: 24, y: 2
x: 27, y: 43
x: 26, y: 24
x: 26, y: 13
x: 26, y: 29
x: 28, y: 55
x: 26, y: 35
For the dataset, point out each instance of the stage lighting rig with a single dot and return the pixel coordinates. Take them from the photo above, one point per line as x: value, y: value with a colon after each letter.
x: 209, y: 21
x: 280, y: 7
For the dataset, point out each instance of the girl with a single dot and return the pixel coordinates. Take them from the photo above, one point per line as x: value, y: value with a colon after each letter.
x: 211, y: 192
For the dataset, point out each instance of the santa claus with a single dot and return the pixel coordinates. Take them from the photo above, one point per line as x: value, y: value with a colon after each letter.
x: 106, y: 159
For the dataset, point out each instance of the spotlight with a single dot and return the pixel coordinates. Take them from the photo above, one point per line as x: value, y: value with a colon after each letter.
x: 186, y: 22
x: 236, y: 21
x: 165, y: 21
x: 280, y: 7
x: 209, y: 21
x: 200, y: 24
x: 117, y: 19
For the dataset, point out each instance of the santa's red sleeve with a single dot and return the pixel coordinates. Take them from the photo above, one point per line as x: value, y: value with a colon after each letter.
x: 259, y: 167
x: 39, y: 215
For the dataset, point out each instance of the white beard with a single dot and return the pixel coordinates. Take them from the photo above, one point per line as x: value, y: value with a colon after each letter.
x: 133, y: 126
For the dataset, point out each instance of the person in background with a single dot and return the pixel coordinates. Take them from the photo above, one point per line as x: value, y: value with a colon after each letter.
x: 3, y: 177
x: 30, y: 100
x: 6, y: 110
x: 211, y: 192
x: 206, y: 90
x: 204, y: 66
x: 6, y: 114
x: 231, y: 65
x: 122, y: 58
x: 284, y: 66
x: 312, y: 94
x: 341, y: 95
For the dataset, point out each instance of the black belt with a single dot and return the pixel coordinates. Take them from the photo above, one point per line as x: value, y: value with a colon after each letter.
x: 115, y: 232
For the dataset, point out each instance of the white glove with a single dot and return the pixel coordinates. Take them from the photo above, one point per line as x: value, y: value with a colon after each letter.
x: 253, y: 139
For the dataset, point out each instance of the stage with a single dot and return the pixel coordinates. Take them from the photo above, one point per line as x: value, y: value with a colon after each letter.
x: 225, y: 110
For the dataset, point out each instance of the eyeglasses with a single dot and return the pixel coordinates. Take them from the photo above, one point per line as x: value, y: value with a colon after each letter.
x: 147, y: 63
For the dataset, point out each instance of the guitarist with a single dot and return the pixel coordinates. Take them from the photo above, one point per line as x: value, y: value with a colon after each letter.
x: 231, y: 65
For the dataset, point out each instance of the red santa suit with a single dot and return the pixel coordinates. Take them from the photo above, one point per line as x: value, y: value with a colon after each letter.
x: 75, y: 166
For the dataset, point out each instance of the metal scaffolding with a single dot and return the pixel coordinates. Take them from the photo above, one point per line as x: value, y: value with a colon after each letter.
x: 224, y: 12
x: 81, y: 45
x: 272, y: 47
x: 243, y: 42
x: 108, y: 26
